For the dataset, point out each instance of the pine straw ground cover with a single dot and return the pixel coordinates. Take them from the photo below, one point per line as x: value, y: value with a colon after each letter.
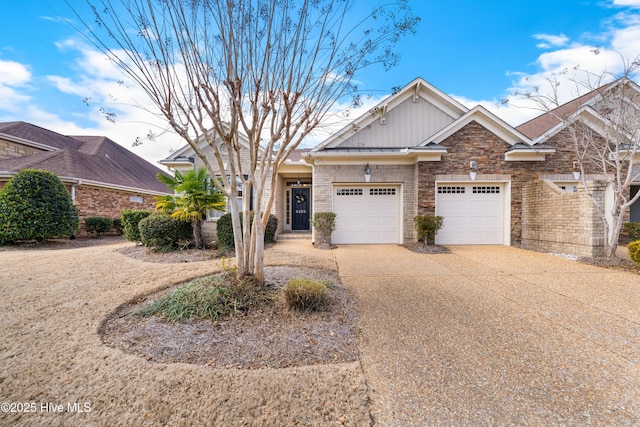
x: 59, y: 350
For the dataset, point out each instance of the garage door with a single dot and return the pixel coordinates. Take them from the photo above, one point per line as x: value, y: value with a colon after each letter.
x: 473, y: 214
x: 366, y: 214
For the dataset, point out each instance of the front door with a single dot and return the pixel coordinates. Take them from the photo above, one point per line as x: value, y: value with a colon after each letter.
x: 300, y: 208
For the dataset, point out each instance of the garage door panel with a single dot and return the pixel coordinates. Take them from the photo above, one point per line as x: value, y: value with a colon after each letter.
x: 473, y: 213
x: 366, y: 214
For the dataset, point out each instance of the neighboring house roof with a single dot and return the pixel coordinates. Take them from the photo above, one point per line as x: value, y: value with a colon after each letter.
x: 91, y: 158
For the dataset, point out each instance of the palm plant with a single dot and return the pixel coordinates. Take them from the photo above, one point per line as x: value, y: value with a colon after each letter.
x: 194, y: 196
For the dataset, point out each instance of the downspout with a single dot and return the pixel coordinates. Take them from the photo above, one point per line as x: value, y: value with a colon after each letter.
x: 73, y: 190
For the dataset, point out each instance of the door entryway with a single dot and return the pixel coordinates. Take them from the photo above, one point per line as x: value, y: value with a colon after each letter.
x: 300, y: 204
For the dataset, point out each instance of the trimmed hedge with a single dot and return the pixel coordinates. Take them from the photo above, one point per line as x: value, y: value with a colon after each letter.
x: 162, y: 233
x: 35, y: 205
x: 117, y: 226
x: 634, y: 251
x: 130, y: 220
x: 98, y: 225
x: 224, y: 228
x: 305, y: 294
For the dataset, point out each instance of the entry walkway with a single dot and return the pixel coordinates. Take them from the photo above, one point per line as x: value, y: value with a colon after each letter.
x: 494, y: 336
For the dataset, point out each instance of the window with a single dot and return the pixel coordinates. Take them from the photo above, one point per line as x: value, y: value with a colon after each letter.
x: 382, y: 191
x: 569, y: 188
x: 487, y: 189
x: 136, y: 199
x: 451, y: 189
x: 349, y: 192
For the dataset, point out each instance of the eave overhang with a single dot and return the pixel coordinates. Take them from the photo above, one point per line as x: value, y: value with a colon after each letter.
x: 406, y: 156
x: 527, y: 153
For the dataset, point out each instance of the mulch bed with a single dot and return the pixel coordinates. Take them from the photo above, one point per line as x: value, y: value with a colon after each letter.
x: 273, y: 337
x: 421, y: 248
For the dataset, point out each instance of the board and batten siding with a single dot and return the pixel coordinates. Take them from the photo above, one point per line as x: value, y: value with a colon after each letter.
x: 407, y: 125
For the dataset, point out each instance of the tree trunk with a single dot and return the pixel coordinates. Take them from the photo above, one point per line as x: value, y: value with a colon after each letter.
x: 197, y: 233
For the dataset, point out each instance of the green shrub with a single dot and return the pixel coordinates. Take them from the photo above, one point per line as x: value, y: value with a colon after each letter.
x: 130, y: 220
x: 633, y: 230
x: 305, y: 294
x: 427, y: 226
x: 212, y: 298
x: 35, y: 205
x: 324, y: 224
x: 271, y: 229
x: 117, y: 226
x: 634, y: 251
x: 224, y: 229
x: 98, y: 225
x: 162, y: 233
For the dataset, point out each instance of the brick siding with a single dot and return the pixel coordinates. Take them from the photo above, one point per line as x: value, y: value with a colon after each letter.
x: 96, y: 201
x: 474, y: 142
x: 554, y: 220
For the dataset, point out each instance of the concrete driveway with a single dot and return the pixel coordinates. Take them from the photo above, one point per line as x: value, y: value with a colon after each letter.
x: 495, y: 335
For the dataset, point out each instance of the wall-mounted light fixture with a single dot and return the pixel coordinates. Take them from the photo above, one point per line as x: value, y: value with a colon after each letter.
x: 367, y: 173
x: 474, y: 170
x: 576, y: 170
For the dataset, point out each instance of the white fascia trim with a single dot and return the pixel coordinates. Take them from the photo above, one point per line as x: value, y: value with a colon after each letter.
x: 92, y: 183
x: 488, y: 120
x: 528, y: 155
x: 80, y: 181
x: 188, y: 151
x: 586, y: 113
x: 428, y: 92
x: 28, y: 142
x: 175, y: 163
x: 404, y: 157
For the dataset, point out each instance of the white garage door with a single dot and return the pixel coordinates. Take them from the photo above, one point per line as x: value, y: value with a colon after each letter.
x: 473, y: 214
x: 366, y: 214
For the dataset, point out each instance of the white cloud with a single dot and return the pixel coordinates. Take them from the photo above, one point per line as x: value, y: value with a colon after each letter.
x: 14, y: 73
x: 549, y: 40
x: 589, y: 65
x: 100, y: 82
x: 13, y: 76
x: 630, y: 3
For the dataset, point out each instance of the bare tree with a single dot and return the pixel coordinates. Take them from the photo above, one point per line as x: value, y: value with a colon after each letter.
x: 269, y: 69
x: 603, y: 129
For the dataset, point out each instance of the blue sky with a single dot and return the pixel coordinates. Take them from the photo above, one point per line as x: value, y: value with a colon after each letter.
x: 478, y: 52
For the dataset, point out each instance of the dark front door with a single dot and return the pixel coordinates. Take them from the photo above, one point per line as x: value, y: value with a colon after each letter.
x: 300, y: 208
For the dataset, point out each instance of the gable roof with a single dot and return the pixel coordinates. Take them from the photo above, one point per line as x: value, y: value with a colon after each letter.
x: 538, y: 126
x: 488, y: 120
x: 185, y: 154
x: 415, y: 90
x: 91, y: 158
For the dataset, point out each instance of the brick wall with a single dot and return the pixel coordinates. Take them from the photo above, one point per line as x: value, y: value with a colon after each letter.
x: 474, y: 142
x: 9, y: 149
x: 96, y: 201
x: 556, y: 221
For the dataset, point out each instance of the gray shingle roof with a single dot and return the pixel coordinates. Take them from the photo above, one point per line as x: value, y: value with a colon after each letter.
x: 95, y: 158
